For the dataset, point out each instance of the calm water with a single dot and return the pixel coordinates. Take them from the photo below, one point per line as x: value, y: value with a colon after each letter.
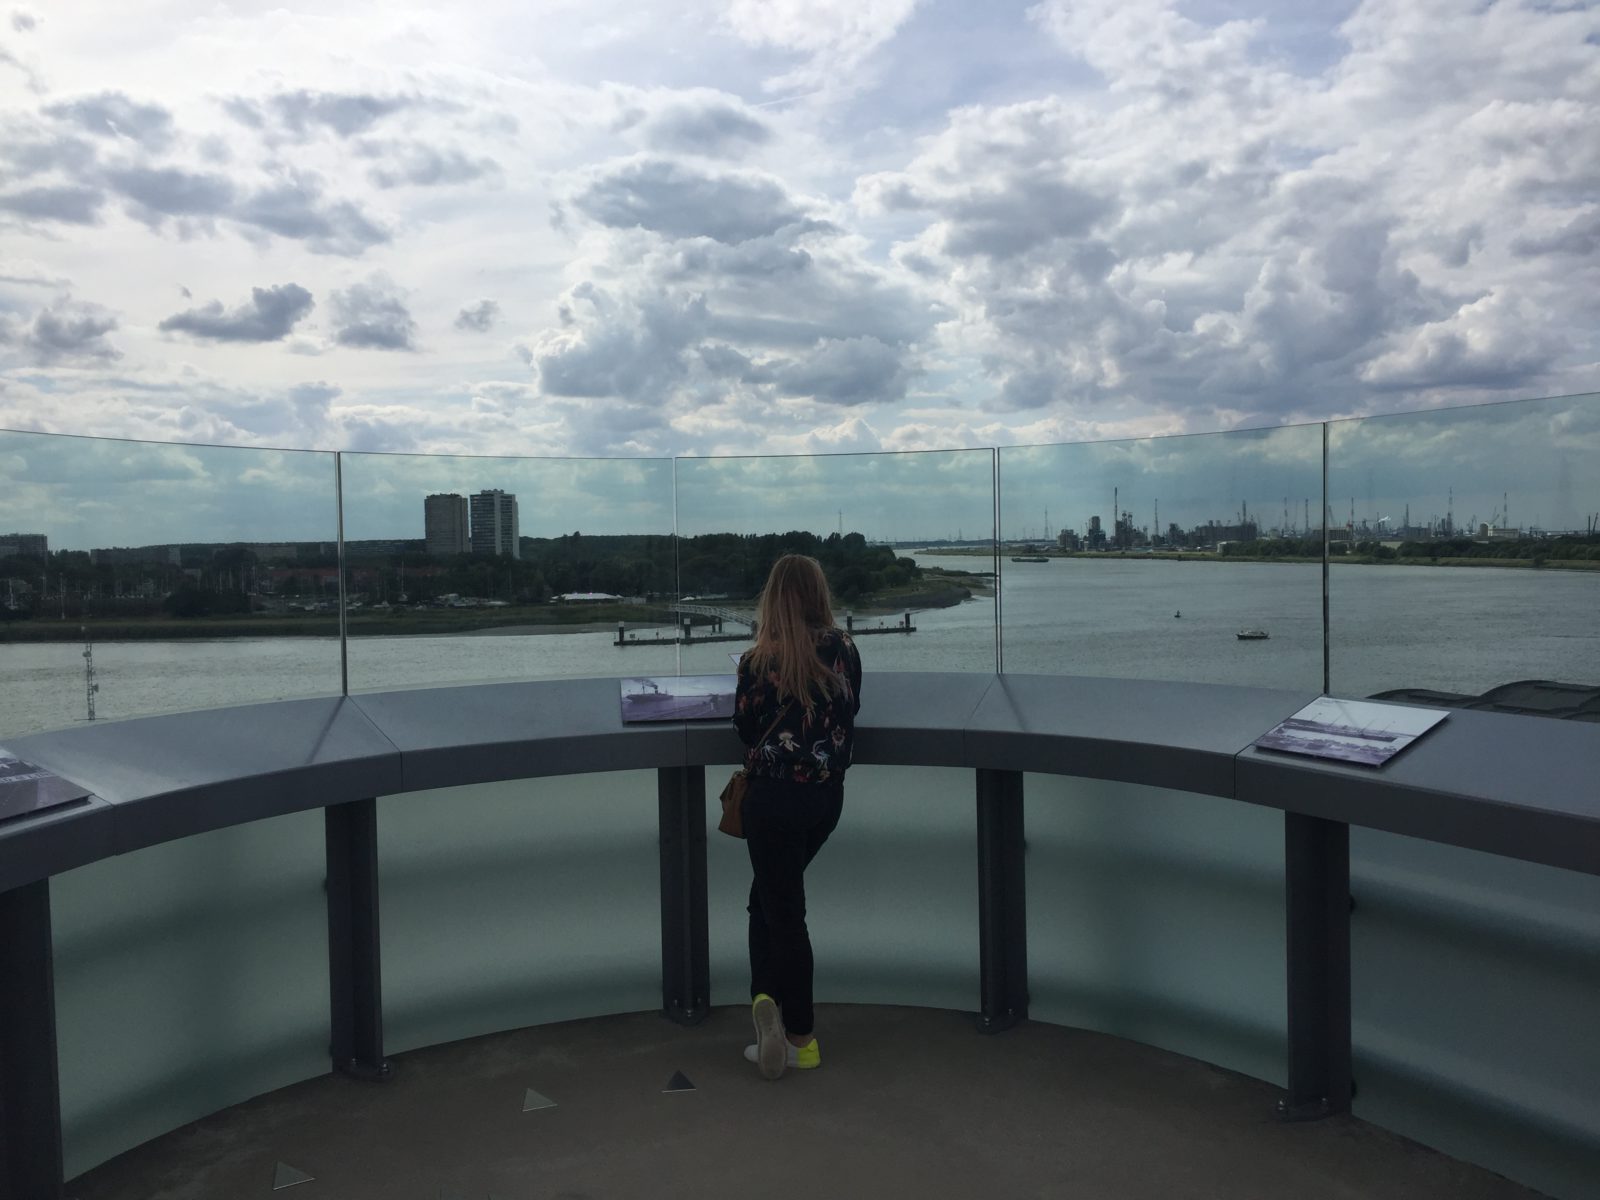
x: 1462, y: 629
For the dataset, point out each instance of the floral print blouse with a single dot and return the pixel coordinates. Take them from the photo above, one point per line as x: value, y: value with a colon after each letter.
x: 814, y: 749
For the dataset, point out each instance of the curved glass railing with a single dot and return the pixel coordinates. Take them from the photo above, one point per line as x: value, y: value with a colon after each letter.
x: 1462, y: 547
x: 209, y: 576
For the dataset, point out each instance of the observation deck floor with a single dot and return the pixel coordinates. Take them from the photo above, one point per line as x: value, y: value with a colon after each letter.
x: 909, y: 1103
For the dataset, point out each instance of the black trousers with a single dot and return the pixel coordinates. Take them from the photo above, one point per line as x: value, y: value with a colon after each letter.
x: 785, y: 824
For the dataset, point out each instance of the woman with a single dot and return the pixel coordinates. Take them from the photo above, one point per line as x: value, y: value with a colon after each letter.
x: 799, y: 692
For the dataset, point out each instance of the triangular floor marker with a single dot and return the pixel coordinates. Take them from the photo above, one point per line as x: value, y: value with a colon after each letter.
x: 533, y: 1101
x: 287, y: 1176
x: 679, y: 1083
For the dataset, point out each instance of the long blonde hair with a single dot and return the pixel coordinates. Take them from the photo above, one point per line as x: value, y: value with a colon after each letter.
x: 793, y: 611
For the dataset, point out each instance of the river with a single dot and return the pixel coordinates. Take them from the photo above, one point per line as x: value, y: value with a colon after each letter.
x: 1453, y: 629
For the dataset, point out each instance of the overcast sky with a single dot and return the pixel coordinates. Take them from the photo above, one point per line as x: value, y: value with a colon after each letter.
x: 597, y: 228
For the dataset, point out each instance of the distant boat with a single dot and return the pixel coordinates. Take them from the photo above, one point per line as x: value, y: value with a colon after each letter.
x: 1029, y: 558
x: 1252, y: 635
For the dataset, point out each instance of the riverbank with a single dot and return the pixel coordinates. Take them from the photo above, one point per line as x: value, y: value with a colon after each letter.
x: 1363, y: 560
x: 938, y: 591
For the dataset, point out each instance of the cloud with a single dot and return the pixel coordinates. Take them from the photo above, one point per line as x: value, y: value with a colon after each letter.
x: 480, y: 317
x: 680, y: 201
x: 698, y: 121
x: 417, y: 165
x: 303, y: 113
x: 22, y: 22
x: 268, y: 317
x: 294, y: 208
x: 159, y: 192
x: 114, y: 115
x: 65, y: 333
x: 28, y: 149
x: 846, y: 371
x: 373, y: 316
x: 66, y: 204
x: 835, y: 36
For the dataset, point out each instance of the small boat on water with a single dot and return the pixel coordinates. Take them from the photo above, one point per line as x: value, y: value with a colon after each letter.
x: 1252, y: 635
x: 1029, y: 558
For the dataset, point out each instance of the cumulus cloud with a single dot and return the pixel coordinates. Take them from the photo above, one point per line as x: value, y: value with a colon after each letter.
x: 155, y: 193
x: 268, y: 316
x: 64, y: 333
x: 834, y: 37
x: 846, y: 371
x: 695, y: 121
x: 480, y: 318
x: 302, y: 113
x: 373, y: 316
x: 65, y: 204
x: 681, y: 201
x: 22, y: 22
x: 295, y: 208
x: 114, y: 115
x: 413, y: 164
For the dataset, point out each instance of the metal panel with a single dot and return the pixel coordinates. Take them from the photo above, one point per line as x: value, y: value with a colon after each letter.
x: 453, y: 736
x: 1539, y: 800
x: 1174, y: 735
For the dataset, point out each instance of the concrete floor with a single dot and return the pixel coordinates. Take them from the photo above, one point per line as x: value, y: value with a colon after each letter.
x: 908, y: 1103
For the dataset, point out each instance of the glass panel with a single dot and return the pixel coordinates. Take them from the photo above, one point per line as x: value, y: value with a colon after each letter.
x: 459, y: 566
x: 896, y: 533
x: 1473, y: 993
x: 520, y: 903
x: 170, y: 560
x: 1158, y: 915
x: 1467, y: 553
x: 891, y: 900
x: 189, y: 976
x: 1210, y: 540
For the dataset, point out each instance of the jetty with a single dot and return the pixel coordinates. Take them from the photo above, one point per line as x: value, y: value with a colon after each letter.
x: 714, y: 621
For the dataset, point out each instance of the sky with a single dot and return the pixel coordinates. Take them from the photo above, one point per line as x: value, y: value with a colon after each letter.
x: 765, y: 227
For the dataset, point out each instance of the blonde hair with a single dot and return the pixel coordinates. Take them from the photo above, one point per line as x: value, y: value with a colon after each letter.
x: 792, y: 613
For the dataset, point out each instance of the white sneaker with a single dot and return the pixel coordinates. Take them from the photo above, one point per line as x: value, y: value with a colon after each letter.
x: 752, y: 1054
x: 770, y: 1039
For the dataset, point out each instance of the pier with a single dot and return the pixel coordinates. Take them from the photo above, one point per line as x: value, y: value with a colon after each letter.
x: 683, y: 627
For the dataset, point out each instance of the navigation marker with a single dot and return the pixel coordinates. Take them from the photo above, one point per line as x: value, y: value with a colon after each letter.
x: 679, y: 1083
x: 287, y: 1176
x: 533, y: 1101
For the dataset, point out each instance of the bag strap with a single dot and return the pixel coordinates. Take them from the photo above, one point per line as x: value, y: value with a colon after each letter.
x: 774, y: 725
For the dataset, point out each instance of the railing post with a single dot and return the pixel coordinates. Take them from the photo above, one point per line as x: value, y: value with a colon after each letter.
x: 1317, y: 892
x: 354, y: 976
x: 1002, y: 908
x: 30, y: 1091
x: 685, y: 926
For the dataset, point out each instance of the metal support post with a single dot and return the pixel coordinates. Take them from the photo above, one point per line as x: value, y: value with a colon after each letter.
x: 1002, y: 909
x: 354, y: 975
x: 30, y: 1092
x: 1317, y: 890
x: 685, y: 926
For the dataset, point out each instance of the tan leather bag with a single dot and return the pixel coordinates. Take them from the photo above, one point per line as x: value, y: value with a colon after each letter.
x: 732, y: 822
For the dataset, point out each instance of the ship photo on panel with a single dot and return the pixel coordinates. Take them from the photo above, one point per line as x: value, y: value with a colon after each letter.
x: 26, y: 788
x: 1351, y: 730
x: 677, y: 697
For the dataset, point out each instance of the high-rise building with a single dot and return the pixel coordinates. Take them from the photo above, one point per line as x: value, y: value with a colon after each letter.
x: 444, y: 524
x: 35, y: 544
x: 494, y: 523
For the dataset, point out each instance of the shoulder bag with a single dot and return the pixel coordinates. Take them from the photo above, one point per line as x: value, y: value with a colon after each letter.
x: 732, y: 822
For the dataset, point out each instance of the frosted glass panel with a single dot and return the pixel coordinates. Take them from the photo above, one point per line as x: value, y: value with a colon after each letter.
x: 1158, y: 916
x: 514, y: 904
x: 891, y: 900
x: 1475, y: 981
x: 189, y: 977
